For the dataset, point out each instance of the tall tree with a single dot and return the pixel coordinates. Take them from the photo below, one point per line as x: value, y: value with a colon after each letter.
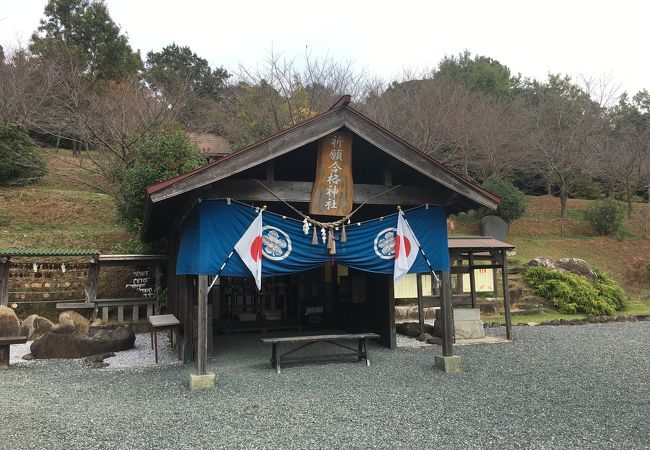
x: 479, y: 74
x: 85, y: 28
x: 568, y: 127
x: 624, y: 162
x: 180, y: 74
x: 175, y: 64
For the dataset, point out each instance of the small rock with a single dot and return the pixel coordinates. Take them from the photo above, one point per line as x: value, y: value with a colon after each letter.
x: 35, y: 326
x: 424, y: 337
x: 28, y: 357
x: 554, y: 322
x: 632, y: 319
x: 591, y: 318
x: 76, y: 320
x: 434, y: 340
x: 9, y: 323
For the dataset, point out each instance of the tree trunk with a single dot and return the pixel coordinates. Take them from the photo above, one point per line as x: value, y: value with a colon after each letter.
x: 629, y: 204
x: 564, y: 197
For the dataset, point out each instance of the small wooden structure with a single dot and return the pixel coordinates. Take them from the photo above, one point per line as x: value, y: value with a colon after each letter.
x: 386, y: 170
x: 94, y: 262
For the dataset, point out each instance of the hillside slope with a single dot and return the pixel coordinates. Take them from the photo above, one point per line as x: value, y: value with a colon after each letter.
x: 59, y: 213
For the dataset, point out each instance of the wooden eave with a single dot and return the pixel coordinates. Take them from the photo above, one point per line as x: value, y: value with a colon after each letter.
x: 468, y: 194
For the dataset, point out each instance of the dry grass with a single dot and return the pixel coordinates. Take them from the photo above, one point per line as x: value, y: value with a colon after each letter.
x: 59, y: 213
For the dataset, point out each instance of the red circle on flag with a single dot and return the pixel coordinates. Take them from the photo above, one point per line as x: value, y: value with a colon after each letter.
x: 256, y: 248
x: 407, y: 245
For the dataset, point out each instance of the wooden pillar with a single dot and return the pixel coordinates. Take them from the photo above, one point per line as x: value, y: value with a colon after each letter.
x: 157, y: 287
x: 506, y: 294
x: 202, y: 326
x: 92, y: 281
x: 472, y: 279
x: 5, y: 264
x: 185, y: 298
x: 446, y: 314
x: 495, y: 279
x: 420, y: 303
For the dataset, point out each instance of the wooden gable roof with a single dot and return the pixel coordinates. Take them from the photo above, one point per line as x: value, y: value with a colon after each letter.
x: 339, y: 116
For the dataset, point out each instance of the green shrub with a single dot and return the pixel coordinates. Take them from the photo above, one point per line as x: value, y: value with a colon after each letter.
x: 572, y: 293
x: 513, y: 201
x: 165, y: 155
x: 605, y: 216
x: 20, y: 163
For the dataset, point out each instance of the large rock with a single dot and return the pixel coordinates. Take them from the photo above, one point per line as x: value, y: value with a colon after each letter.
x: 494, y: 226
x: 76, y: 320
x: 573, y: 265
x: 412, y: 329
x: 68, y: 342
x: 9, y: 323
x: 35, y: 326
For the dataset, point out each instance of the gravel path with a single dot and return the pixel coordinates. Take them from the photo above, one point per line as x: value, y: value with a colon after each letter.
x: 554, y: 387
x: 141, y: 355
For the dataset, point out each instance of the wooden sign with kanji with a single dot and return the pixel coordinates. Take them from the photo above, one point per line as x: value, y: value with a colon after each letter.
x: 333, y: 189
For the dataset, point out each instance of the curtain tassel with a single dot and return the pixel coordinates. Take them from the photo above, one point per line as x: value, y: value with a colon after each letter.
x: 344, y: 236
x: 330, y: 239
x: 314, y: 239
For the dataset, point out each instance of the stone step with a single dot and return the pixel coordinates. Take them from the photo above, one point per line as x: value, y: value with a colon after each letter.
x: 526, y: 312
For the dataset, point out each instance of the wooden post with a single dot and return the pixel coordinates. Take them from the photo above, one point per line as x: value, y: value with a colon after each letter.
x: 495, y: 280
x: 472, y: 279
x: 158, y: 286
x: 506, y: 295
x: 420, y: 303
x: 446, y: 314
x: 460, y: 289
x: 92, y: 281
x: 202, y: 326
x: 5, y: 264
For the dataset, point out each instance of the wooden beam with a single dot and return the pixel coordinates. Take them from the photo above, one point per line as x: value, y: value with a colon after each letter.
x: 300, y: 192
x: 414, y: 159
x: 92, y: 282
x: 5, y: 264
x: 506, y: 296
x: 446, y: 313
x: 263, y: 151
x: 472, y: 279
x: 202, y: 326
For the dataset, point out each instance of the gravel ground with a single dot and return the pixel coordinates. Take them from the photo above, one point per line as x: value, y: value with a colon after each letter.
x: 554, y: 387
x: 141, y: 355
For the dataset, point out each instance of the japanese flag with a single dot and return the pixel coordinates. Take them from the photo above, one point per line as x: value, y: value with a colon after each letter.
x: 406, y: 248
x: 249, y: 248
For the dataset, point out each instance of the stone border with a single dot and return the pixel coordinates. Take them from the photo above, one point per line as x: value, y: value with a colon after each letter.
x: 590, y: 318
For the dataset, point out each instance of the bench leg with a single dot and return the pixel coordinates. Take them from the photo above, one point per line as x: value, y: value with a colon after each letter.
x: 136, y: 313
x: 105, y: 313
x: 149, y: 310
x: 361, y: 353
x: 277, y: 358
x: 365, y: 351
x: 155, y: 344
x: 273, y: 353
x: 4, y: 356
x: 120, y: 313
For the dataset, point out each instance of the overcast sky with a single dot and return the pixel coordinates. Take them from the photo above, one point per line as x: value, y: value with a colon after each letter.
x: 591, y: 38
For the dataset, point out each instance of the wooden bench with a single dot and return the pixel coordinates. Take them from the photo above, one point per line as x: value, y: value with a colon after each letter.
x: 89, y: 308
x: 335, y: 339
x: 5, y: 344
x: 107, y: 303
x: 161, y: 323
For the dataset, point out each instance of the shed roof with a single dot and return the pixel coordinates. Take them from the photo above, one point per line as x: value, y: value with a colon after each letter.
x: 339, y: 116
x: 477, y: 243
x: 8, y: 252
